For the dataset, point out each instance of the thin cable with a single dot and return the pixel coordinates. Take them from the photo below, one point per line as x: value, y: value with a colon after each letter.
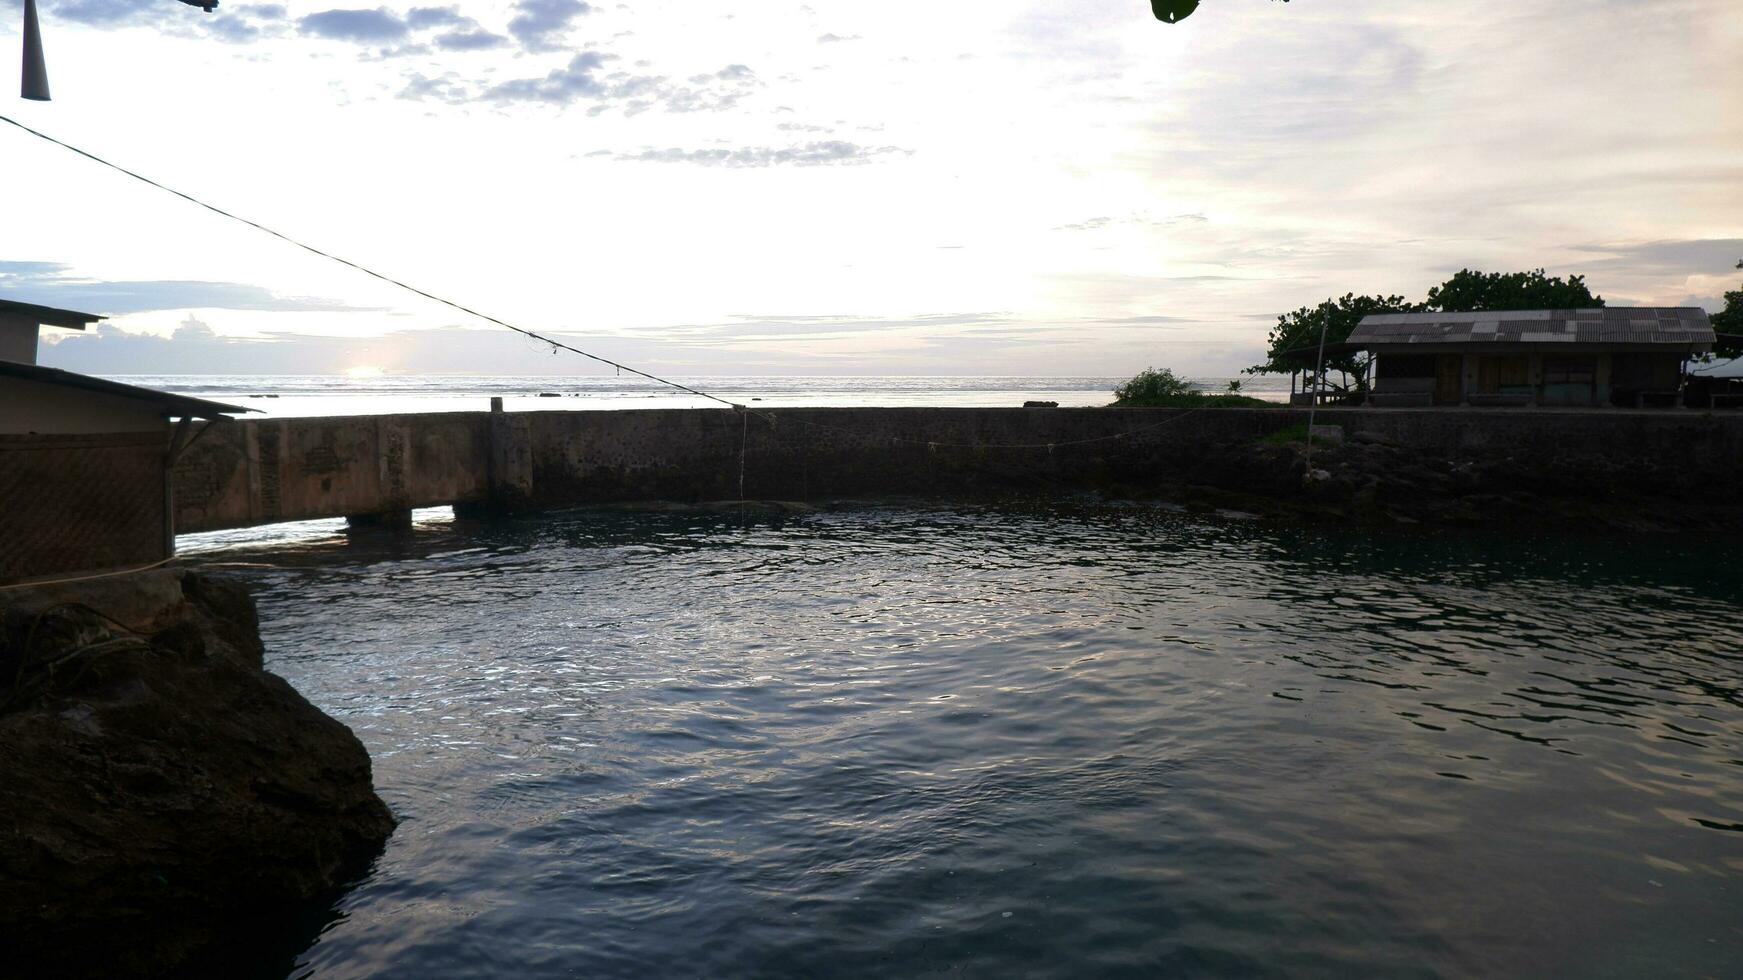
x: 555, y: 344
x: 87, y: 578
x: 365, y: 269
x: 743, y: 445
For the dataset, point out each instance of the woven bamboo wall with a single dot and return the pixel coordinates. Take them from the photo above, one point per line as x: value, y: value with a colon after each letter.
x: 74, y: 504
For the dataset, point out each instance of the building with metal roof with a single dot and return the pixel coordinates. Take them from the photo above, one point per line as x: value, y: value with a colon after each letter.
x: 1623, y: 356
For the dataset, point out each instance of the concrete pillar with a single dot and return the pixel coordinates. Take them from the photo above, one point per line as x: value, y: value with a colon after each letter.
x: 507, y: 470
x: 388, y: 519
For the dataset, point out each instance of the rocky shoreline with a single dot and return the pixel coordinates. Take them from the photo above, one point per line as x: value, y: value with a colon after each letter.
x: 170, y: 807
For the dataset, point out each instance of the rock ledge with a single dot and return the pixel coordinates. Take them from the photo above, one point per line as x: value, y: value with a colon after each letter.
x: 169, y: 806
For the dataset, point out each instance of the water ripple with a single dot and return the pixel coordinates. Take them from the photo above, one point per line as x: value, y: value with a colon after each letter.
x: 1049, y: 741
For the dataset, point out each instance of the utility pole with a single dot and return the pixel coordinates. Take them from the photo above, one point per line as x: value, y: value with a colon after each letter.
x: 1313, y: 405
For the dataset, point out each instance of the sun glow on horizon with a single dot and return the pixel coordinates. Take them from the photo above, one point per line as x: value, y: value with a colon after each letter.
x: 364, y: 371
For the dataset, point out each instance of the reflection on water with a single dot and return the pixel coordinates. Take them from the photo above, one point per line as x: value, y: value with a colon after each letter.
x: 1038, y: 743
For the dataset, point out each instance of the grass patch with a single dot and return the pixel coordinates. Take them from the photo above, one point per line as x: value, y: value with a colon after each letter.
x: 1286, y: 436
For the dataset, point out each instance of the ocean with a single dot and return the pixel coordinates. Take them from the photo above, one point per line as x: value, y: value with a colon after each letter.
x: 292, y: 396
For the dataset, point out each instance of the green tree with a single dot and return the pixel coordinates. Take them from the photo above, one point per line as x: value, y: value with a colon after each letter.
x: 1294, y: 342
x: 1477, y: 292
x: 1728, y: 324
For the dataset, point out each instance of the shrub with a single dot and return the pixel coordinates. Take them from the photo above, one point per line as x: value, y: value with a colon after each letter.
x: 1160, y: 388
x: 1153, y: 387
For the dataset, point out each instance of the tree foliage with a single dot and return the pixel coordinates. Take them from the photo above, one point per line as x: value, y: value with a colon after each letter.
x: 1152, y: 387
x: 1477, y: 292
x: 1728, y: 323
x: 1162, y: 388
x: 1294, y: 341
x: 1170, y: 11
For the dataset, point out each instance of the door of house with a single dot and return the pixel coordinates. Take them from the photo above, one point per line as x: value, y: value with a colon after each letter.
x: 1448, y: 379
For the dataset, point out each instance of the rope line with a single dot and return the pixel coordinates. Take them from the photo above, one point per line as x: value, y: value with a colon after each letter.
x: 743, y: 448
x: 88, y: 578
x: 558, y: 344
x: 365, y: 269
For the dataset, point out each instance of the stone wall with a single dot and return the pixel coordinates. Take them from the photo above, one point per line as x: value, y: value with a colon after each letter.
x: 256, y: 472
x: 238, y: 474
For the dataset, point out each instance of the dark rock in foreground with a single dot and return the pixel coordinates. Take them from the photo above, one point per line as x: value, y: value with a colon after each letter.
x: 168, y: 805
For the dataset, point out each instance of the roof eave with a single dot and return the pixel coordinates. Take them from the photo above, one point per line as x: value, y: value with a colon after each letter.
x: 169, y: 405
x: 48, y: 316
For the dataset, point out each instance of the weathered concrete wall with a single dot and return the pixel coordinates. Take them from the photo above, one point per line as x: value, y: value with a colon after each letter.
x: 238, y: 474
x: 257, y: 472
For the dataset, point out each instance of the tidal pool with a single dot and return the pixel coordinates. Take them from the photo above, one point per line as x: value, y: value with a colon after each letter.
x: 1039, y: 742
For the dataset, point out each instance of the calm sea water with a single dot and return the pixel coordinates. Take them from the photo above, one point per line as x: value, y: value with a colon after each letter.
x: 1042, y: 742
x: 287, y: 396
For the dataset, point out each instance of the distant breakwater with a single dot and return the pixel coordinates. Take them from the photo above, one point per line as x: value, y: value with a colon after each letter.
x: 376, y: 469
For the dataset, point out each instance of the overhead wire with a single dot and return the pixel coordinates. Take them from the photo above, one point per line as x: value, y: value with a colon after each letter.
x: 366, y: 270
x: 556, y: 344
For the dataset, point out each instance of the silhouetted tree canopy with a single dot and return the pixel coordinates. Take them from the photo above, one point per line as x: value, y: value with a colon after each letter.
x: 1475, y: 292
x: 1175, y: 11
x: 1728, y: 323
x: 1294, y: 342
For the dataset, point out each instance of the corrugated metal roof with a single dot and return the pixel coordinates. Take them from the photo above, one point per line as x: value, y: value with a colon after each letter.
x: 1680, y: 326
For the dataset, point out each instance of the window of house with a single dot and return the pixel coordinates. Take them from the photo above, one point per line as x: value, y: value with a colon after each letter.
x: 1503, y: 372
x: 1570, y: 370
x: 1405, y: 366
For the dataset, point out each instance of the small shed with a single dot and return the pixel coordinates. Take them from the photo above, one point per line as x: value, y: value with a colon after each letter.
x: 1610, y: 356
x: 85, y: 464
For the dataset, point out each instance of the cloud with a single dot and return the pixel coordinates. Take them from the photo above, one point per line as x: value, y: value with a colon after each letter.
x: 244, y: 22
x: 588, y: 78
x: 419, y: 18
x: 836, y: 38
x: 1689, y: 256
x: 1145, y: 321
x: 48, y: 284
x: 1088, y: 224
x: 476, y: 39
x: 101, y: 13
x: 1139, y: 218
x: 819, y: 154
x: 538, y: 24
x: 364, y: 26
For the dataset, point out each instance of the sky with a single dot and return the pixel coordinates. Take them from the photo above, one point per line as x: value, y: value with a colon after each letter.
x: 1004, y: 188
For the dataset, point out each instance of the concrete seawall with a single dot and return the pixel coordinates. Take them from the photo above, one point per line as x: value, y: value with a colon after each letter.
x: 264, y: 471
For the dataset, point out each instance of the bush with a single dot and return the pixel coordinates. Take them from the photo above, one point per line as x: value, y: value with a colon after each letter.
x: 1154, y: 388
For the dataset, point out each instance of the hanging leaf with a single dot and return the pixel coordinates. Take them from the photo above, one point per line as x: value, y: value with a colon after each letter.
x: 1173, y: 11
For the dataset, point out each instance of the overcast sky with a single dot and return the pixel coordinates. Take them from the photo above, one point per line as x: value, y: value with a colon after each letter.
x: 1064, y: 188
